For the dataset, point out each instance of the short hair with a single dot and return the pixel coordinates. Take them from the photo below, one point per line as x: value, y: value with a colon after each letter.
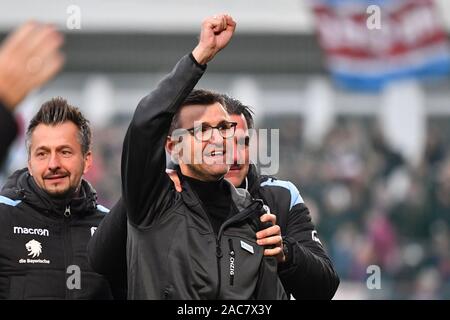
x: 199, y: 97
x: 57, y: 111
x: 234, y: 106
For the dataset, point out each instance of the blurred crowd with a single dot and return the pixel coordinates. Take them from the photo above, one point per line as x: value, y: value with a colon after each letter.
x: 373, y: 208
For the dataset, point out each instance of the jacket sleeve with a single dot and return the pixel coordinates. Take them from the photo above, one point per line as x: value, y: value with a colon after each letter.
x: 308, y: 273
x: 145, y: 185
x: 8, y: 131
x: 107, y: 250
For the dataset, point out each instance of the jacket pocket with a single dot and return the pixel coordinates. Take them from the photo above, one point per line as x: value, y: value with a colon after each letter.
x: 239, y: 267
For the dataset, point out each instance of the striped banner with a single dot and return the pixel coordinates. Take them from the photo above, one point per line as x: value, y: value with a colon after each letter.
x: 369, y: 43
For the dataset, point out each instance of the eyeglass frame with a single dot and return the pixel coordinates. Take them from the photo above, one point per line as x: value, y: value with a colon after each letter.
x: 232, y: 123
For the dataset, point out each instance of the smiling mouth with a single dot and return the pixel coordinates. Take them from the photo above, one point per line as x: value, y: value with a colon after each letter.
x: 55, y: 177
x: 216, y: 153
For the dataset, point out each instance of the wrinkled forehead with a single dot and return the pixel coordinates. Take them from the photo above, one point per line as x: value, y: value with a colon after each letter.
x: 212, y: 114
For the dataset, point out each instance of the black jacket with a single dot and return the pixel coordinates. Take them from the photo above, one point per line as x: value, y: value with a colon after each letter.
x: 8, y: 131
x: 40, y: 239
x: 308, y: 272
x: 172, y: 251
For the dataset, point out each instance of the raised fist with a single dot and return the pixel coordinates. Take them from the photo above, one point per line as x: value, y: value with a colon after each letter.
x: 215, y: 34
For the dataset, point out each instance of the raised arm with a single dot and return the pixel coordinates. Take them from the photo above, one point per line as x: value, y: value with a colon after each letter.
x: 145, y: 185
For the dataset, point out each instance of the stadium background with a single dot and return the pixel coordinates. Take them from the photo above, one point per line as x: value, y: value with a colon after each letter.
x: 378, y: 196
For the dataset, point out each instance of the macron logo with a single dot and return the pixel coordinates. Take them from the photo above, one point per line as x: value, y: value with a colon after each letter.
x: 39, y: 232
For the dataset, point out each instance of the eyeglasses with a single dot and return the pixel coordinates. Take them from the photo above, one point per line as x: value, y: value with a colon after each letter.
x: 204, y: 131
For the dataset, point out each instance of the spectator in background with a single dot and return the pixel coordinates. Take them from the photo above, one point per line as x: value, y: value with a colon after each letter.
x: 29, y: 57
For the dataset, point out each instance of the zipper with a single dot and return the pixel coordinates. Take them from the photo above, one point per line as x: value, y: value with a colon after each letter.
x: 67, y: 246
x: 232, y: 259
x: 67, y: 213
x: 218, y: 257
x: 244, y: 214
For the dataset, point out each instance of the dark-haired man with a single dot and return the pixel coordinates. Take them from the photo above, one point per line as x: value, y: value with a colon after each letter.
x: 304, y: 268
x: 200, y: 243
x: 48, y: 212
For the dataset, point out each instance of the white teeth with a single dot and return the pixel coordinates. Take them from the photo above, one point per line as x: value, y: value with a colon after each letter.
x: 216, y: 153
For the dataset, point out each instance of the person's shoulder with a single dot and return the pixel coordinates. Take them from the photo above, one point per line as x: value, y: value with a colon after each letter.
x: 8, y: 208
x: 8, y: 203
x: 98, y: 213
x: 282, y: 186
x: 101, y: 211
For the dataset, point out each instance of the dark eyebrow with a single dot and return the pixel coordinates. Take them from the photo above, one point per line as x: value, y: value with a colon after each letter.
x: 223, y: 122
x: 43, y: 148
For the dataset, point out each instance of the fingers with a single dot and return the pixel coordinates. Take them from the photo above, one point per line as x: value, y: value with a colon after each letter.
x: 19, y: 37
x: 216, y: 23
x: 269, y: 217
x: 230, y: 22
x: 273, y: 252
x: 219, y: 23
x: 275, y: 240
x: 45, y: 42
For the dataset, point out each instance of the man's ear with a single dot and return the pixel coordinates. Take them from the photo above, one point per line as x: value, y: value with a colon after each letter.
x: 87, y: 162
x: 171, y: 147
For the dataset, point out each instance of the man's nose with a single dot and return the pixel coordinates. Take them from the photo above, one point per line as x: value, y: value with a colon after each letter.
x: 54, y: 162
x: 216, y: 137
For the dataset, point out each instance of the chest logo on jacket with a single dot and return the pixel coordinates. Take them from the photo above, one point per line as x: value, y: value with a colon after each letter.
x: 34, y: 249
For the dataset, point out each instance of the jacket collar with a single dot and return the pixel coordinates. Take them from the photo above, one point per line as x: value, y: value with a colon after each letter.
x: 240, y: 197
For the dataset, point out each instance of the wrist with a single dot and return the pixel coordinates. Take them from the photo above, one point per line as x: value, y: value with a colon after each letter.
x: 201, y: 55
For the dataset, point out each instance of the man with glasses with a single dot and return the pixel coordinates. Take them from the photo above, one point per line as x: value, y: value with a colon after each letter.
x: 200, y: 243
x: 304, y: 268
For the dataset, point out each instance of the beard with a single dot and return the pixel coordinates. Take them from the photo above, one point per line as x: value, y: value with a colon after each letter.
x: 61, y: 194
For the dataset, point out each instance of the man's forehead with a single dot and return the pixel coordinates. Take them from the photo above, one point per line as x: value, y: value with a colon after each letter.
x: 55, y: 135
x: 211, y: 114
